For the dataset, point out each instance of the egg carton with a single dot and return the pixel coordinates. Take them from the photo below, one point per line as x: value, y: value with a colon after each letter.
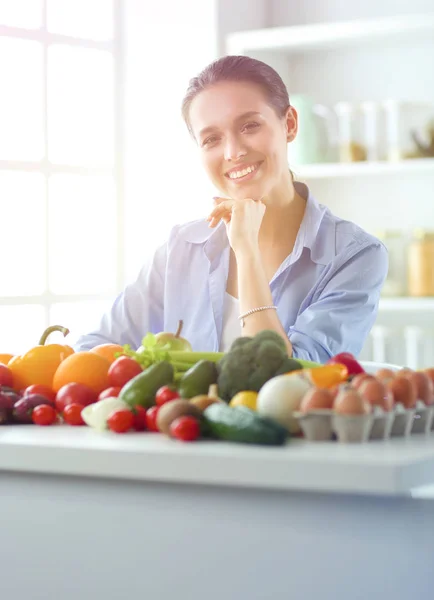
x: 326, y: 425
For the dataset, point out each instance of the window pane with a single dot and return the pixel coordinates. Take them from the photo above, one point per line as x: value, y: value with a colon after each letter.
x: 23, y: 234
x: 82, y: 234
x: 21, y: 327
x: 78, y: 317
x: 91, y: 19
x: 21, y: 13
x: 80, y: 106
x: 21, y: 100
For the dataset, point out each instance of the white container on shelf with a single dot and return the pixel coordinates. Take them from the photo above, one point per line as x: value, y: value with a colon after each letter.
x: 396, y: 243
x: 370, y: 111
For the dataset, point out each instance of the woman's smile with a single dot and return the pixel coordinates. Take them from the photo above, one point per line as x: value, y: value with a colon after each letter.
x: 242, y: 173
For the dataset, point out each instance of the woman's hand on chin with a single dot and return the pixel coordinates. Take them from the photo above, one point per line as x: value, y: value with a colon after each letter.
x: 243, y: 220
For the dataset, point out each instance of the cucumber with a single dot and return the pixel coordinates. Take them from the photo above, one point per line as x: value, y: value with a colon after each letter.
x: 141, y: 389
x: 242, y: 425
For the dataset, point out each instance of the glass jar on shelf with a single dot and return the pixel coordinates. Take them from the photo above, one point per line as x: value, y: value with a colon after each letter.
x: 351, y: 135
x: 408, y: 129
x: 421, y: 264
x: 396, y: 244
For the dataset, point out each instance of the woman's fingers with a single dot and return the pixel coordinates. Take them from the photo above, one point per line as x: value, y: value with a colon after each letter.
x: 222, y: 210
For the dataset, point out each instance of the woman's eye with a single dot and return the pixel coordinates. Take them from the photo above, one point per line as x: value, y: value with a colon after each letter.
x: 210, y: 140
x: 250, y: 126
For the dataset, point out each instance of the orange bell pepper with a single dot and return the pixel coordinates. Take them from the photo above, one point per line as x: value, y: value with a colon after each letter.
x: 326, y: 376
x: 39, y: 364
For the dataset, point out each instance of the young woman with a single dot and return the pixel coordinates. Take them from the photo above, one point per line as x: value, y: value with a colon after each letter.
x: 268, y: 256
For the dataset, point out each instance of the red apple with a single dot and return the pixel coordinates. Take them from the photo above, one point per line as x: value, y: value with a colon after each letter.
x: 350, y: 361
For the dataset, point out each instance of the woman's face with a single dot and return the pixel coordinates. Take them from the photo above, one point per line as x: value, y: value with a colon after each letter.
x: 242, y: 141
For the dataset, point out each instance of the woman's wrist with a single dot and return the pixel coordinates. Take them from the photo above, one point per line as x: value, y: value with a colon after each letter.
x: 247, y: 254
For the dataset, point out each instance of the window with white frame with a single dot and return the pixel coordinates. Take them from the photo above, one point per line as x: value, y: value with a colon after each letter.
x: 61, y: 152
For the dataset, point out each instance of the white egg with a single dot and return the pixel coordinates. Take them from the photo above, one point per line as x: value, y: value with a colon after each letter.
x: 280, y: 397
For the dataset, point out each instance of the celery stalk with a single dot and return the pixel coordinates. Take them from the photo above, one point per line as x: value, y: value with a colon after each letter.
x: 179, y: 356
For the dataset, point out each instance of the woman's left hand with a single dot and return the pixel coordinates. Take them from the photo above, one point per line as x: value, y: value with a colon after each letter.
x: 243, y: 220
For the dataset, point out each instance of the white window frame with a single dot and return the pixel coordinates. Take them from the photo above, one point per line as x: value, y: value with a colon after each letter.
x: 47, y: 168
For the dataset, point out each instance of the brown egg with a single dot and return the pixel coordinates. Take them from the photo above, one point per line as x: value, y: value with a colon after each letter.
x: 403, y: 390
x: 316, y: 399
x: 385, y: 374
x: 404, y: 372
x: 430, y: 373
x: 350, y: 402
x: 334, y: 391
x: 357, y: 381
x: 377, y: 394
x: 423, y: 384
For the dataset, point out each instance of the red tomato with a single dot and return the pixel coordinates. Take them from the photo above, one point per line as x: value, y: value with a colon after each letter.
x: 139, y: 418
x: 166, y: 394
x: 42, y: 390
x: 74, y: 393
x: 72, y: 414
x: 151, y: 418
x: 6, y: 377
x: 186, y: 429
x: 44, y: 414
x: 120, y: 421
x: 110, y: 392
x: 122, y: 370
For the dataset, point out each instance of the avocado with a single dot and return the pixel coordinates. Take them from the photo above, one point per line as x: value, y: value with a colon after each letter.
x: 141, y: 389
x: 197, y: 380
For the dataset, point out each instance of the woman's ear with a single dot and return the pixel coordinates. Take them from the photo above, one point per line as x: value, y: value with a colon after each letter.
x: 291, y: 119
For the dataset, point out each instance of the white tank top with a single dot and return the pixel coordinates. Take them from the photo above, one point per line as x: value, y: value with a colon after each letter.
x: 231, y: 323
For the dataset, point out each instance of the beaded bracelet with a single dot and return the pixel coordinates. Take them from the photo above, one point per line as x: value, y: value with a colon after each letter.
x: 254, y: 310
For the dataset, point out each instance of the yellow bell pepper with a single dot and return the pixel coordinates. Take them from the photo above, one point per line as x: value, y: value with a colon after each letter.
x: 38, y: 365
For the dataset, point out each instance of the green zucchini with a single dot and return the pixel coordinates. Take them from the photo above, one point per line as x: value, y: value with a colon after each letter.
x: 242, y: 425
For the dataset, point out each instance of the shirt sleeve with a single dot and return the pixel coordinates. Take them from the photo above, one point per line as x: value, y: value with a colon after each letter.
x: 344, y: 311
x: 137, y: 310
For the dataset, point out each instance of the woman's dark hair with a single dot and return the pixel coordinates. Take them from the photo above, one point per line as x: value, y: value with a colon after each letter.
x: 239, y: 68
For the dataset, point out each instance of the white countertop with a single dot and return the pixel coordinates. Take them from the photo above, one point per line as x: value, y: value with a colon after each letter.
x: 396, y: 467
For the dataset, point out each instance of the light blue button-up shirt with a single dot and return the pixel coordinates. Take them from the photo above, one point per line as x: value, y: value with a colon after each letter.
x: 326, y: 291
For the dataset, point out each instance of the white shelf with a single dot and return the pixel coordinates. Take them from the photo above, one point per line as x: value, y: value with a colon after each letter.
x: 406, y: 304
x: 329, y: 35
x: 337, y: 170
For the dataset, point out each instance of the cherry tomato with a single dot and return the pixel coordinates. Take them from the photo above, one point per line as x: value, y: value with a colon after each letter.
x: 74, y: 393
x: 44, y: 414
x: 186, y: 429
x: 72, y: 414
x: 151, y: 418
x: 166, y: 394
x: 139, y: 418
x: 122, y: 370
x: 42, y: 390
x: 110, y: 392
x: 6, y: 377
x: 120, y: 421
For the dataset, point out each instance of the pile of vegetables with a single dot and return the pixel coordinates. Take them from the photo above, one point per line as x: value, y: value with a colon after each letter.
x: 249, y: 394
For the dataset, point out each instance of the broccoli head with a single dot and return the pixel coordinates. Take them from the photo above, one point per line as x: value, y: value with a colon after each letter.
x: 250, y: 363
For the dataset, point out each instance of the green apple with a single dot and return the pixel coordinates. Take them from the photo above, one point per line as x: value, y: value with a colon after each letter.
x: 174, y: 341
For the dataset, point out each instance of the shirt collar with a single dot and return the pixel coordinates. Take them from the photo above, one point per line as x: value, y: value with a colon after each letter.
x: 312, y: 233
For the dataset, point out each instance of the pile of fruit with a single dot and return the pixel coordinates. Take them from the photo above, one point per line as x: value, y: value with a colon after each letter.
x: 254, y: 393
